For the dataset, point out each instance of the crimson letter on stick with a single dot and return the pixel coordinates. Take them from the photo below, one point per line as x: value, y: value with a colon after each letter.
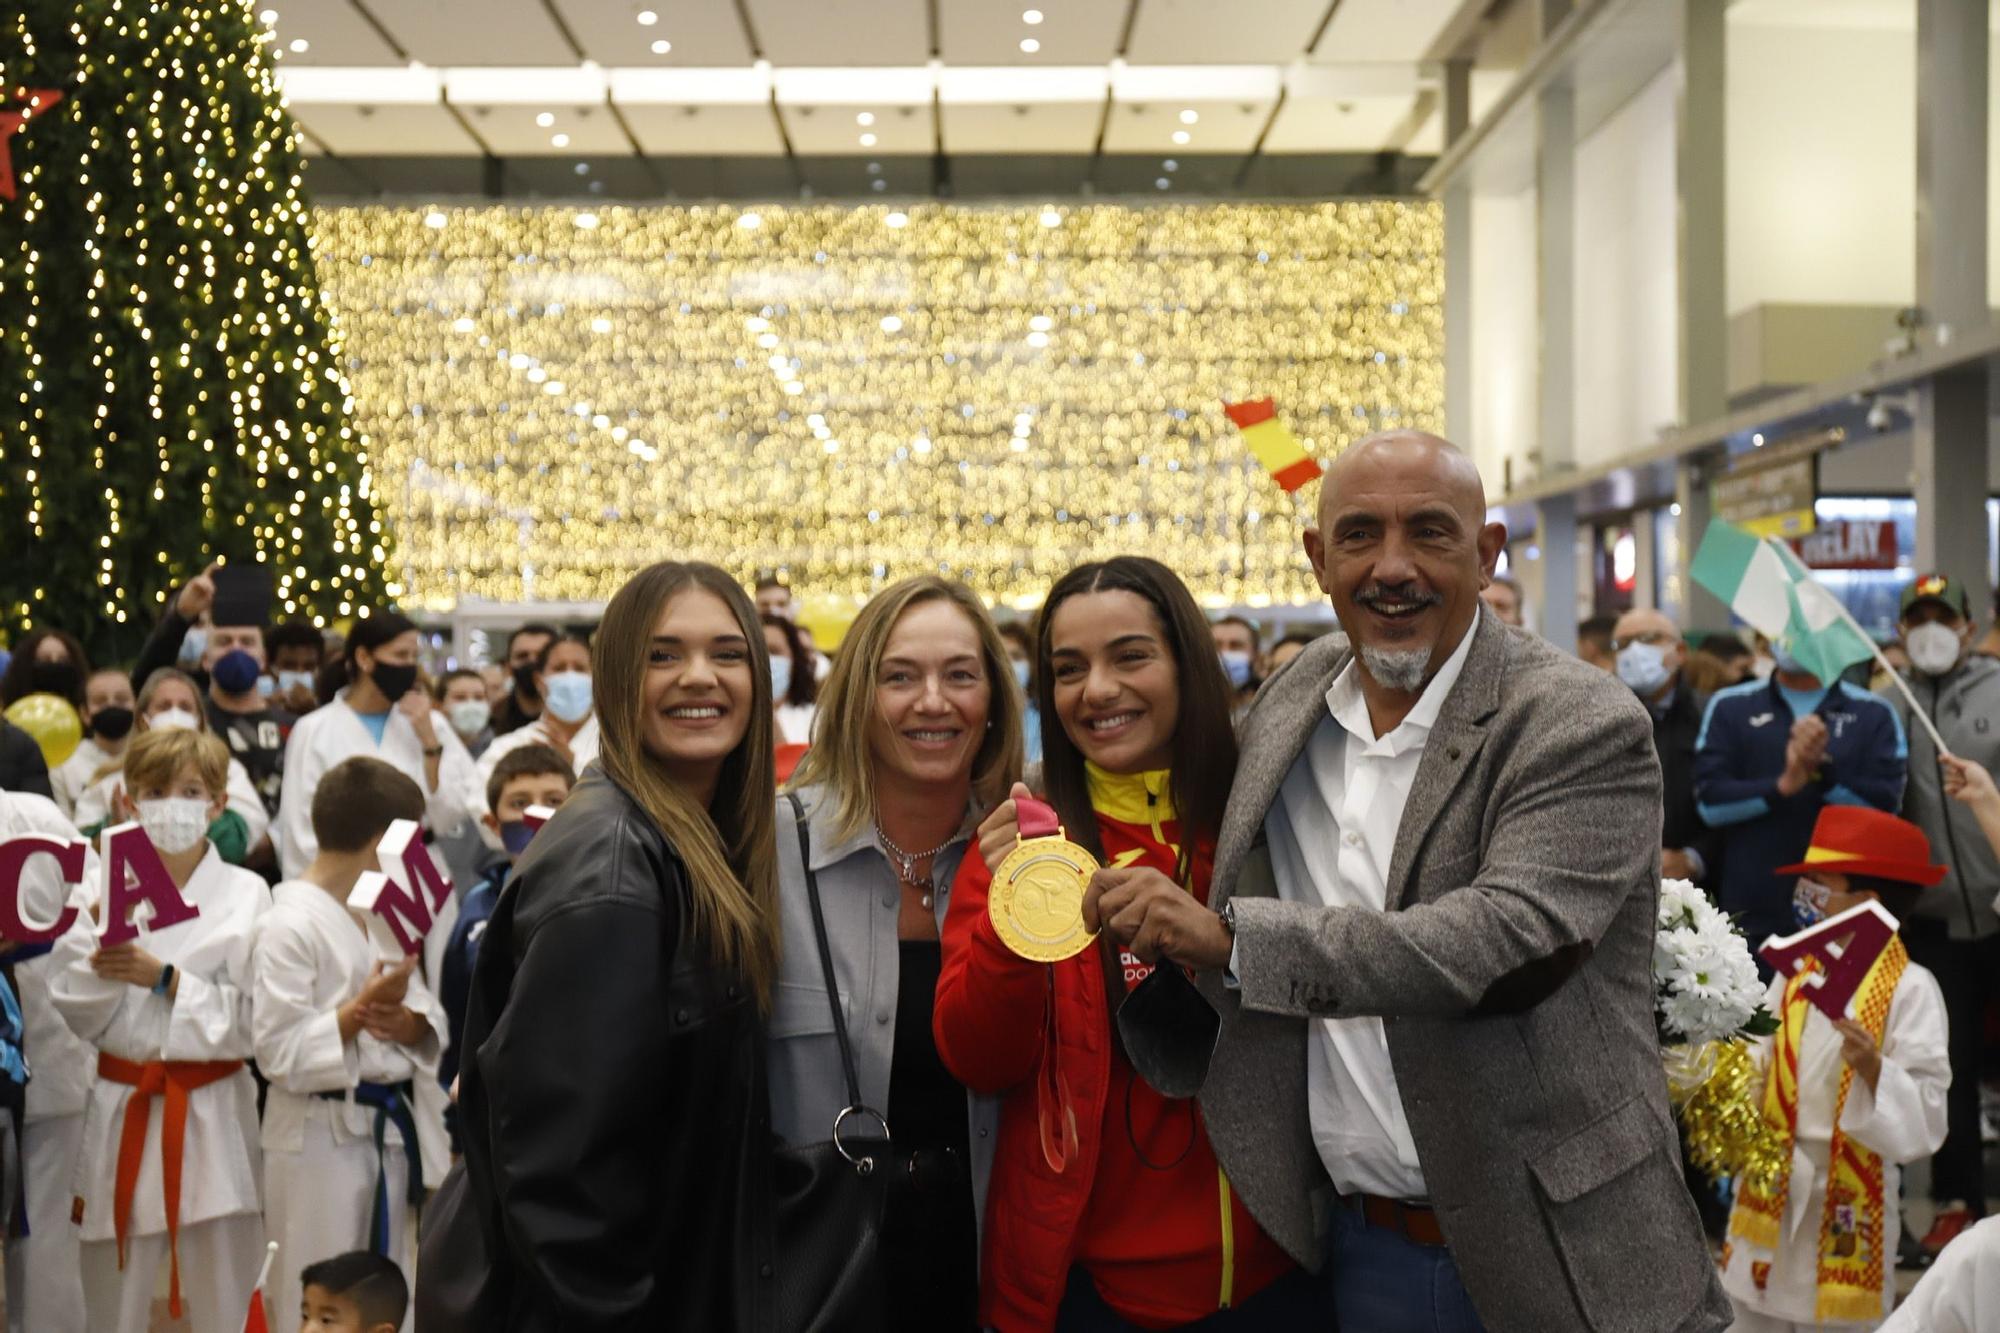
x: 14, y: 855
x: 1844, y: 947
x: 407, y: 891
x: 137, y: 888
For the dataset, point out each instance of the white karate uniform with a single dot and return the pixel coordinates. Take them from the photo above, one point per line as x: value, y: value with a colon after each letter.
x: 1961, y: 1292
x: 1902, y: 1120
x: 320, y: 1163
x: 44, y: 1280
x: 77, y: 774
x: 325, y: 736
x: 99, y: 803
x: 221, y: 1230
x: 582, y: 748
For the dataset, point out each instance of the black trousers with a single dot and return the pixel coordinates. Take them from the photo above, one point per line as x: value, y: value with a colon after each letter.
x: 1968, y: 972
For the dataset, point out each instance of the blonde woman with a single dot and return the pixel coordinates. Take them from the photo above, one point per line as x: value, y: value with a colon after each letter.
x: 919, y: 736
x: 611, y: 1092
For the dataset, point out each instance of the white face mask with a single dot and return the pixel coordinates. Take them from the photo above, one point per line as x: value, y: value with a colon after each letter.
x: 174, y: 719
x: 469, y: 717
x: 1643, y: 667
x: 1933, y: 648
x: 174, y: 823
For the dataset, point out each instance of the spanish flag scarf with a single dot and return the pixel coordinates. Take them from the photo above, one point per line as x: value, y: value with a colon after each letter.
x: 1851, y: 1265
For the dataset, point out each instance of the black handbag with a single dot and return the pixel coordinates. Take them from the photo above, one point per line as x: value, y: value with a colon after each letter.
x: 829, y: 1196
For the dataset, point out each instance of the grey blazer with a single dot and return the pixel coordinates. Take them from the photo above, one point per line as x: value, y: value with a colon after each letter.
x: 1514, y: 974
x: 861, y: 900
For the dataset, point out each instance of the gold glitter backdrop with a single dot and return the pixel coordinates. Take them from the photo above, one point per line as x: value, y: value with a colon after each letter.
x: 851, y: 394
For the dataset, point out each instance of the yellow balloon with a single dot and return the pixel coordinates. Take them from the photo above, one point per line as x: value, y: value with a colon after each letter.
x: 53, y: 723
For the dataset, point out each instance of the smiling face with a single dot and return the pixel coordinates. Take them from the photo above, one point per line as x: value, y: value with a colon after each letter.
x: 697, y: 693
x: 1402, y: 552
x: 932, y: 696
x: 1116, y: 686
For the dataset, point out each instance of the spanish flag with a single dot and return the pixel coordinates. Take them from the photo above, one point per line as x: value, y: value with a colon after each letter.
x: 1273, y: 443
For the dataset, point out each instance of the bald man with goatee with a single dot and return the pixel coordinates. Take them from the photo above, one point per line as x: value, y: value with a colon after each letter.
x: 1431, y: 947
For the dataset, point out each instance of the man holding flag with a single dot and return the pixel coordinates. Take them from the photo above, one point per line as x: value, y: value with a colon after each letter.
x: 1773, y: 752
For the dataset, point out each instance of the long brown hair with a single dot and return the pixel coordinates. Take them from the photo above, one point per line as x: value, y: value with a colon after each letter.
x: 727, y: 847
x: 1204, y: 746
x: 839, y: 758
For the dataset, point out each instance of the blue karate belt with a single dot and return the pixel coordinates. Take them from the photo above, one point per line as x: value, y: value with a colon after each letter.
x: 391, y: 1103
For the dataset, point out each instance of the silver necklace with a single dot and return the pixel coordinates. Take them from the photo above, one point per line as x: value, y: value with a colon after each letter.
x: 905, y: 863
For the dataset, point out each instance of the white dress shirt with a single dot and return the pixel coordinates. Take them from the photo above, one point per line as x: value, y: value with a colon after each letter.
x: 1332, y: 832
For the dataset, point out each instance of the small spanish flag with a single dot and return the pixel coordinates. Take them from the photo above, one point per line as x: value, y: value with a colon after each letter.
x: 1273, y: 443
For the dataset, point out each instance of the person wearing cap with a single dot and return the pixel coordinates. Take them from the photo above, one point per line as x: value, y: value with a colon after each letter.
x: 1954, y: 930
x: 1856, y: 1097
x: 1771, y: 754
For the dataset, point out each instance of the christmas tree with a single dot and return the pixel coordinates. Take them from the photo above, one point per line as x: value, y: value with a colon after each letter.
x: 170, y: 382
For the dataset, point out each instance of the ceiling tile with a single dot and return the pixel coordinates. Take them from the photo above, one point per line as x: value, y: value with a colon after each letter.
x: 475, y: 32
x: 834, y: 129
x: 334, y: 33
x: 1384, y: 29
x: 1069, y: 127
x: 1192, y: 32
x: 1220, y: 127
x: 841, y: 32
x: 709, y: 131
x: 700, y: 32
x: 512, y: 130
x: 1351, y: 125
x: 387, y: 130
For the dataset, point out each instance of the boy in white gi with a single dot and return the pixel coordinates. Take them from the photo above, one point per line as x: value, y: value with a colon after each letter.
x: 1856, y: 1099
x: 167, y: 1174
x: 44, y: 1282
x: 342, y: 1033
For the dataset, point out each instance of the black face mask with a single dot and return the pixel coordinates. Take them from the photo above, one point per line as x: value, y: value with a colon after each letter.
x: 57, y: 678
x: 524, y: 681
x: 1169, y: 1029
x: 113, y: 724
x: 393, y: 681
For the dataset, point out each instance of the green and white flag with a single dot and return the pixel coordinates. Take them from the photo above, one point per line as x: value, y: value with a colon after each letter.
x: 1766, y: 584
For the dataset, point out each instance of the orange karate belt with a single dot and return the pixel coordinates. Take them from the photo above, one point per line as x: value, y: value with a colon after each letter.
x: 175, y: 1079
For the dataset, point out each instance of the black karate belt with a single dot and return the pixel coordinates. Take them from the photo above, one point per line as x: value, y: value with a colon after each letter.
x: 391, y: 1104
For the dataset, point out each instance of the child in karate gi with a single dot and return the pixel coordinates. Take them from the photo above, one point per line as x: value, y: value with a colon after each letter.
x: 168, y: 1169
x: 343, y: 1031
x: 1818, y: 1248
x: 44, y: 1282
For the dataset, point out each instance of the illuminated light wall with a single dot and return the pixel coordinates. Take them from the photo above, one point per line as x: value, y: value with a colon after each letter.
x: 849, y: 395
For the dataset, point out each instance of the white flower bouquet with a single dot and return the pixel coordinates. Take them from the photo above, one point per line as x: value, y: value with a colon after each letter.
x: 1706, y: 986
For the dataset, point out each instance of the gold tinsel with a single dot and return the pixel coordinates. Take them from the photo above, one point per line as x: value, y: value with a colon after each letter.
x: 1727, y: 1135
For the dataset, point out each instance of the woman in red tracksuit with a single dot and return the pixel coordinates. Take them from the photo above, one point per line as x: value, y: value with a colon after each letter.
x: 1107, y: 1208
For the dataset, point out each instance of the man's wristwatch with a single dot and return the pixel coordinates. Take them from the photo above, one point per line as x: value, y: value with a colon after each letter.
x: 166, y: 981
x: 1228, y: 915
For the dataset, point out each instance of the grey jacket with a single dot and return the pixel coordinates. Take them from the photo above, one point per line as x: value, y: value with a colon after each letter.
x: 861, y: 899
x: 1515, y: 979
x: 1965, y: 706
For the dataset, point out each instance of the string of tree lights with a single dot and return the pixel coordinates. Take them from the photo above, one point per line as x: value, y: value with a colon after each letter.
x: 848, y: 395
x: 171, y: 389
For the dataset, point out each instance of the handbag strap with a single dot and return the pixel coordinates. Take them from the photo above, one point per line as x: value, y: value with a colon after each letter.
x: 825, y: 953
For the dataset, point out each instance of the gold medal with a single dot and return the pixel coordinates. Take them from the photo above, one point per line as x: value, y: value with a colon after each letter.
x: 1036, y: 901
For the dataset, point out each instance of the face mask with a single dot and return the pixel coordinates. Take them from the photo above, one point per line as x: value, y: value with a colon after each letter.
x: 266, y: 687
x: 235, y: 671
x: 781, y: 677
x: 1933, y: 648
x: 1021, y: 674
x: 1809, y: 899
x: 469, y: 717
x: 193, y: 646
x: 1236, y: 666
x: 568, y: 695
x: 1643, y: 668
x: 57, y: 678
x: 515, y: 835
x: 394, y: 681
x: 176, y: 823
x: 174, y: 719
x: 294, y: 680
x: 113, y: 724
x: 1762, y: 668
x: 524, y: 681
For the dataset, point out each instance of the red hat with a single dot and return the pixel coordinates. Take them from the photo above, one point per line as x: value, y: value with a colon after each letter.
x: 1855, y: 840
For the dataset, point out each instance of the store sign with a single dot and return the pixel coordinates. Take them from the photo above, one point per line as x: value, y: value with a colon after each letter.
x: 1770, y: 492
x: 1849, y: 543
